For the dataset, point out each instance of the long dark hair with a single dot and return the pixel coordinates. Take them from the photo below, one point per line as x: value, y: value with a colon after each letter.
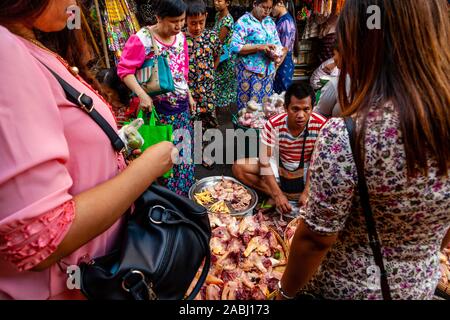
x: 69, y: 44
x: 406, y: 61
x: 289, y: 4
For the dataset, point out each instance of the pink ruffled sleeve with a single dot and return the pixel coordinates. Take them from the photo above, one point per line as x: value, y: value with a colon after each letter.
x: 133, y: 57
x: 34, y: 179
x: 26, y: 243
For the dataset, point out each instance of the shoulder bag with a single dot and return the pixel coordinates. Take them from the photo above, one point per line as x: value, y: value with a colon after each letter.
x: 155, y: 76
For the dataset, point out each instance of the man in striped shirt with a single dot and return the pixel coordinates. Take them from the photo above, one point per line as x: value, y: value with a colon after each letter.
x: 287, y: 144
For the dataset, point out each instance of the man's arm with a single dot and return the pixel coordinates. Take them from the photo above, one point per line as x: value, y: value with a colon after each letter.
x: 268, y: 177
x: 304, y: 196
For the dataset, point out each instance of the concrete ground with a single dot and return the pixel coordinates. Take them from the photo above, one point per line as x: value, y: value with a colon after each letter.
x: 224, y: 116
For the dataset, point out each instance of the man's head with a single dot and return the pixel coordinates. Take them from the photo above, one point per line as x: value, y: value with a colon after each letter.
x: 196, y: 15
x: 299, y: 102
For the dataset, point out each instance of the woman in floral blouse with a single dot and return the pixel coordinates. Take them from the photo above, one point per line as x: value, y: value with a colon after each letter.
x: 254, y: 40
x: 399, y: 99
x: 225, y: 75
x: 174, y: 108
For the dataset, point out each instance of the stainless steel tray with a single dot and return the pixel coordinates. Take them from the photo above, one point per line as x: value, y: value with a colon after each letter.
x: 205, y: 183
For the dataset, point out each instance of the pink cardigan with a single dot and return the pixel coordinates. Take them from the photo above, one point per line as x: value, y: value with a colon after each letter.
x: 50, y: 151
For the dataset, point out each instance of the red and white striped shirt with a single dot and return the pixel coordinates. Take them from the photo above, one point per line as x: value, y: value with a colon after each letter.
x: 276, y: 135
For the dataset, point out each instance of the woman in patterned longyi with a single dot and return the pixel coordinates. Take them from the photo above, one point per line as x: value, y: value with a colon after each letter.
x: 399, y: 99
x: 174, y: 108
x: 254, y: 39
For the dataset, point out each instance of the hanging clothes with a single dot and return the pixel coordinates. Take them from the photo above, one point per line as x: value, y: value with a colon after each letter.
x: 120, y: 23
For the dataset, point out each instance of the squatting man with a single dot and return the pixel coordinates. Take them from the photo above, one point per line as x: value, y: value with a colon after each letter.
x: 287, y: 145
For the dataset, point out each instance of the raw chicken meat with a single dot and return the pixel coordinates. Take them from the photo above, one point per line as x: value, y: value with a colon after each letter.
x: 247, y: 259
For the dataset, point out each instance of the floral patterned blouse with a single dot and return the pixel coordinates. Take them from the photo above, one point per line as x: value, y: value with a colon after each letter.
x: 225, y: 22
x: 202, y: 53
x: 412, y: 216
x: 249, y: 30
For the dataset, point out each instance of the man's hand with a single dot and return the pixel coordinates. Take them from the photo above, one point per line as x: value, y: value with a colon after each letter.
x: 282, y: 203
x: 303, y: 199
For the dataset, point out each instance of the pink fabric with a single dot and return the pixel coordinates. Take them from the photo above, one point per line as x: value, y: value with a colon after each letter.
x: 132, y: 58
x: 50, y: 151
x: 26, y: 243
x: 186, y: 64
x: 139, y: 47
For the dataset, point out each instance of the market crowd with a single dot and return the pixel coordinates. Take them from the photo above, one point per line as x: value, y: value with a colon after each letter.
x: 65, y: 191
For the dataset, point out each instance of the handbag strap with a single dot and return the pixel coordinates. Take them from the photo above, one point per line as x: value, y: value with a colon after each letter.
x: 155, y: 46
x: 85, y: 103
x: 374, y: 240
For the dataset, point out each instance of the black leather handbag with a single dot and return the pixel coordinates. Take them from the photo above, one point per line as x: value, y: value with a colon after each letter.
x: 166, y: 239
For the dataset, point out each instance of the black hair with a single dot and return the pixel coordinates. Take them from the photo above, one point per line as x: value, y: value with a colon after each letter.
x: 196, y: 8
x: 110, y: 78
x: 300, y: 90
x: 261, y: 1
x: 169, y: 8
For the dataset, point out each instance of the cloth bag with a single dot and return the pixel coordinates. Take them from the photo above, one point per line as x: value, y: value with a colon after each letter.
x: 155, y: 76
x: 167, y: 240
x: 154, y: 132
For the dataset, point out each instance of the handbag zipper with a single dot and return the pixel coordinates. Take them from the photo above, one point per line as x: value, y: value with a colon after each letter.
x: 166, y: 255
x: 166, y: 270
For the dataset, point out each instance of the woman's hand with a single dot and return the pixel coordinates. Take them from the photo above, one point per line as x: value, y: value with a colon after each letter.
x: 192, y: 104
x: 267, y: 49
x: 145, y: 102
x: 162, y: 155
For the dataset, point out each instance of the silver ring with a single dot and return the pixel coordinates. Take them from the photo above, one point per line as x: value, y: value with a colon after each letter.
x: 133, y: 272
x: 151, y: 219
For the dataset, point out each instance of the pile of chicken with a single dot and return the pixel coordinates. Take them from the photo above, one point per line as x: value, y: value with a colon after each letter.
x: 247, y: 259
x: 445, y: 269
x: 231, y: 192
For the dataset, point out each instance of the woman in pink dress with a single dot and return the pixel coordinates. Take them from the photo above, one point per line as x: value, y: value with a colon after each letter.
x: 63, y: 188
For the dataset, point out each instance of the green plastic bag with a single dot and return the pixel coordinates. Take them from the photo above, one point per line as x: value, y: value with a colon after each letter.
x: 154, y: 132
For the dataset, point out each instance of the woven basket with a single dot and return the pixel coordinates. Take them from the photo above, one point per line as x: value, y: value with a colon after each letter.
x: 443, y: 289
x: 292, y: 223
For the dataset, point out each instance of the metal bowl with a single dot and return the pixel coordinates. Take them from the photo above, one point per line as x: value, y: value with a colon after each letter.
x: 205, y: 183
